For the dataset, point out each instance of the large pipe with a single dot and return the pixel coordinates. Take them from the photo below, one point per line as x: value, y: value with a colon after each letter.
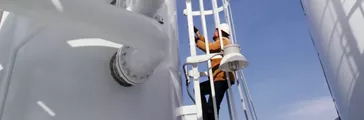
x: 102, y: 21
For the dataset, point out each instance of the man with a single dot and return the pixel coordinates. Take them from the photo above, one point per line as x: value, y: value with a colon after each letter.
x: 219, y: 76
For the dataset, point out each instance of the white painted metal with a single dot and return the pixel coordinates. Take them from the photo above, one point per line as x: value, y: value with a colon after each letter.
x: 233, y: 60
x: 196, y: 82
x: 247, y: 95
x: 189, y: 109
x: 232, y: 109
x: 206, y: 12
x: 228, y: 20
x: 214, y: 9
x: 242, y: 97
x: 217, y: 23
x: 202, y: 74
x: 106, y: 22
x: 204, y: 30
x: 200, y: 58
x: 337, y: 28
x: 229, y: 106
x: 145, y: 7
x: 40, y: 64
x: 217, y: 20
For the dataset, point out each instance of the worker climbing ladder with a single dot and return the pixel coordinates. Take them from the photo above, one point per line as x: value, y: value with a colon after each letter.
x: 195, y: 111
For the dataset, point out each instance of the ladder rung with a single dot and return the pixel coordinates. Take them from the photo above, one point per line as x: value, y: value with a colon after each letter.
x: 202, y: 74
x: 187, y: 110
x: 202, y: 58
x: 196, y: 13
x: 207, y: 12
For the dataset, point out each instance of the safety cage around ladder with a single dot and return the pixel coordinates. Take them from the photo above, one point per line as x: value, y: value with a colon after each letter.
x: 227, y: 63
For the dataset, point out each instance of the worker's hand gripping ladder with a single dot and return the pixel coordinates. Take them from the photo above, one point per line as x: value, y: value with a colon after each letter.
x: 195, y: 74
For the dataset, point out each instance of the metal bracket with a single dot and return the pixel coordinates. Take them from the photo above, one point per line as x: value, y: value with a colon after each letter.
x: 202, y: 74
x: 187, y: 110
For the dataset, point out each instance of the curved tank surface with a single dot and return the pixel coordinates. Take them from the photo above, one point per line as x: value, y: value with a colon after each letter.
x: 45, y: 74
x: 337, y: 28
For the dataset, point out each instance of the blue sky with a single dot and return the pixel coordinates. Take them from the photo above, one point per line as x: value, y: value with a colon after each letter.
x: 284, y: 74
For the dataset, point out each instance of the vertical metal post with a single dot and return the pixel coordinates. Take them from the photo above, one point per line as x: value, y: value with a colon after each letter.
x: 232, y: 24
x: 226, y: 5
x: 228, y: 18
x: 242, y: 98
x: 248, y: 97
x: 196, y: 81
x: 217, y: 20
x: 204, y: 29
x: 232, y: 96
x: 229, y: 105
x: 217, y: 23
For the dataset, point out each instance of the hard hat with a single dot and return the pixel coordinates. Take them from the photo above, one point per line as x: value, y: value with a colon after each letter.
x: 224, y: 27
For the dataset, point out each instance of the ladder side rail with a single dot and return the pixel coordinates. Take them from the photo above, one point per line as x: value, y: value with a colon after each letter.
x: 230, y: 15
x: 225, y: 6
x: 211, y: 78
x: 248, y: 97
x: 232, y: 97
x: 242, y: 97
x: 229, y: 106
x: 217, y: 22
x: 230, y: 22
x: 193, y: 52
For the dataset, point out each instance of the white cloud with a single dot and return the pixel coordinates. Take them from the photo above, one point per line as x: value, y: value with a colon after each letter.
x: 316, y: 109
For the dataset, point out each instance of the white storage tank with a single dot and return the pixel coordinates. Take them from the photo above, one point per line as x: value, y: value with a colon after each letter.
x: 337, y: 28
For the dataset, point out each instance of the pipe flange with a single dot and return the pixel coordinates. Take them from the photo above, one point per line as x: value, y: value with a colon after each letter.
x: 115, y: 74
x: 121, y: 73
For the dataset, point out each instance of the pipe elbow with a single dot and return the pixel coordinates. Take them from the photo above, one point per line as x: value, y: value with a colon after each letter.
x: 144, y: 35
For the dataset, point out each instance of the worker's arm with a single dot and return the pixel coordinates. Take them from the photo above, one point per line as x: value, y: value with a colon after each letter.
x: 213, y: 46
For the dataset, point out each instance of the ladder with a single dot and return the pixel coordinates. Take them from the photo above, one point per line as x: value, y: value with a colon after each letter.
x: 194, y: 112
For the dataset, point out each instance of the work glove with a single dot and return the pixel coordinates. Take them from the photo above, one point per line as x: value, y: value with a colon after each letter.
x: 195, y: 29
x: 196, y: 32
